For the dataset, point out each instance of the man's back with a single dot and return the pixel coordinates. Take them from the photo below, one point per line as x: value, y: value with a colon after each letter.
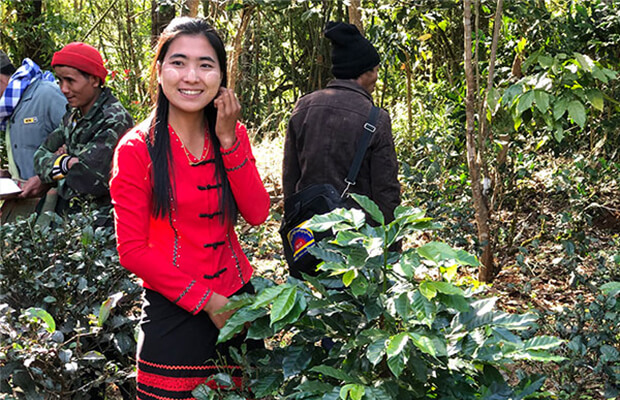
x: 322, y: 138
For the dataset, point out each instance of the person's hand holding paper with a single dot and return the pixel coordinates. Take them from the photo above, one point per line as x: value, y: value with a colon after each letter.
x: 8, y: 188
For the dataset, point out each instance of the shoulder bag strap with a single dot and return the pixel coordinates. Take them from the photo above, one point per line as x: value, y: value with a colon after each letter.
x: 369, y: 129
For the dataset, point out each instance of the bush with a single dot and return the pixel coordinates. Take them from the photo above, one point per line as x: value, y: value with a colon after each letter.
x: 68, y: 311
x: 382, y: 325
x: 592, y: 330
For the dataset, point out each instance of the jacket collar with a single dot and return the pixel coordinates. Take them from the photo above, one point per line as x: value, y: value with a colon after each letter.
x: 26, y: 97
x: 349, y: 84
x: 29, y: 92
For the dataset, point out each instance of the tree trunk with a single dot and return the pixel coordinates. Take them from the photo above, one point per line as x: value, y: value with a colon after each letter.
x: 487, y: 266
x: 386, y: 82
x: 484, y: 130
x: 190, y: 8
x: 233, y: 64
x: 477, y: 44
x: 355, y: 15
x: 213, y: 9
x: 102, y: 15
x: 135, y: 80
x: 29, y: 15
x: 161, y: 15
x: 409, y: 74
x: 323, y: 62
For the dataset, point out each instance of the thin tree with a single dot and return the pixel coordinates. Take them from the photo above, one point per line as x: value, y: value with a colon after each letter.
x: 355, y: 15
x: 190, y: 8
x: 161, y: 15
x: 476, y: 136
x: 233, y: 64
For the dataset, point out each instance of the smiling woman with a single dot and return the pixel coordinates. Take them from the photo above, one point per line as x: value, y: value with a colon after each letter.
x: 189, y: 75
x: 179, y: 179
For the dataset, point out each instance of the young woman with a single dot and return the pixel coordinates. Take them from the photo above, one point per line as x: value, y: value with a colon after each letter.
x: 178, y: 181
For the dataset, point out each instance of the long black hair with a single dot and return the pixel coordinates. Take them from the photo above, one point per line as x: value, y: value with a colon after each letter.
x: 159, y: 137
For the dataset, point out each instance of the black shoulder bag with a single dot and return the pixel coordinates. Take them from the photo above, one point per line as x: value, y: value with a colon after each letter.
x: 315, y: 200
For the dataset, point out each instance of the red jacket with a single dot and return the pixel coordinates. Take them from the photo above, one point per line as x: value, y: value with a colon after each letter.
x: 189, y: 254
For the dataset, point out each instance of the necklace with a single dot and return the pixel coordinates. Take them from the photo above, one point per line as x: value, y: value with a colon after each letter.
x: 191, y: 159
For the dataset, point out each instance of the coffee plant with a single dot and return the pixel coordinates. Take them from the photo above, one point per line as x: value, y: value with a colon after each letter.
x: 68, y: 311
x: 376, y: 324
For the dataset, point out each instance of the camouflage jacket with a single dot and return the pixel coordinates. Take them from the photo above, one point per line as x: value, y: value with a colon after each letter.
x: 92, y: 139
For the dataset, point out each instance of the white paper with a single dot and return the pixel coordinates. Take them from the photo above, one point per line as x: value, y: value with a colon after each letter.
x: 8, y: 187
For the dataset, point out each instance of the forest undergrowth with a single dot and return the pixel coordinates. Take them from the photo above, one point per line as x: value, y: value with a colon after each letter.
x: 558, y: 235
x: 69, y: 309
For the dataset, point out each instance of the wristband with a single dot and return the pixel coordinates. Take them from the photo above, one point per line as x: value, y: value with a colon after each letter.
x: 61, y: 167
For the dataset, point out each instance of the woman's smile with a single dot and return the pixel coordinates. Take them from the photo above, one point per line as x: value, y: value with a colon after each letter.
x: 189, y: 92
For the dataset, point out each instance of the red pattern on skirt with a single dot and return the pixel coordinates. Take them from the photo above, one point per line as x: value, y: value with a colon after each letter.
x: 179, y: 384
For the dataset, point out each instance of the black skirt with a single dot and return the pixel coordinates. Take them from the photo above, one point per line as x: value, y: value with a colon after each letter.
x: 177, y: 351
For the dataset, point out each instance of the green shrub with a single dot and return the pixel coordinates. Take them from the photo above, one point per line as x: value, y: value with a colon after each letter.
x: 382, y: 325
x: 68, y: 311
x: 592, y: 330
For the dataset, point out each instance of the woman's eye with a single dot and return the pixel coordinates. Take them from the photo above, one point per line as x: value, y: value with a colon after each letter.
x: 207, y: 66
x: 176, y: 62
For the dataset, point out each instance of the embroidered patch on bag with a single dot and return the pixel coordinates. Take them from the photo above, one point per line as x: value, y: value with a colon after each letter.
x: 31, y: 120
x: 301, y: 239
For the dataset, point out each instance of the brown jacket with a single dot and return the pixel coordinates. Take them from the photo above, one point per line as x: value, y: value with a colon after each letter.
x: 322, y: 138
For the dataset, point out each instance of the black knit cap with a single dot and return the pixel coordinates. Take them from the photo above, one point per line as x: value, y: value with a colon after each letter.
x: 352, y: 53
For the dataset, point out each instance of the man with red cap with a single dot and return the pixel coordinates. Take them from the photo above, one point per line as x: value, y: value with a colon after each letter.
x: 76, y: 157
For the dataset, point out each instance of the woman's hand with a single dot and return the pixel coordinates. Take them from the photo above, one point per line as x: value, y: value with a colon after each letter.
x: 228, y: 112
x: 215, y: 303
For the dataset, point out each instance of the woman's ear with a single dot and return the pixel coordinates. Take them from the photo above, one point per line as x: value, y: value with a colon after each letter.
x: 158, y: 68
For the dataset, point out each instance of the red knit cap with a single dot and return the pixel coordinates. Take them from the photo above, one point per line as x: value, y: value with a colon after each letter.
x: 83, y: 57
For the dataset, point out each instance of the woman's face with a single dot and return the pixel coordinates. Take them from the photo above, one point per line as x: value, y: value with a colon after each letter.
x: 189, y: 74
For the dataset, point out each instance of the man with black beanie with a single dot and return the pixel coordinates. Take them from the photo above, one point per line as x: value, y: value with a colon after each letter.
x: 326, y: 126
x: 352, y: 54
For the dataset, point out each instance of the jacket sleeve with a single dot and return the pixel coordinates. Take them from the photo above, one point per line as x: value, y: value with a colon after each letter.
x: 384, y: 169
x: 245, y: 182
x: 131, y: 191
x: 291, y: 172
x: 44, y: 156
x: 91, y: 174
